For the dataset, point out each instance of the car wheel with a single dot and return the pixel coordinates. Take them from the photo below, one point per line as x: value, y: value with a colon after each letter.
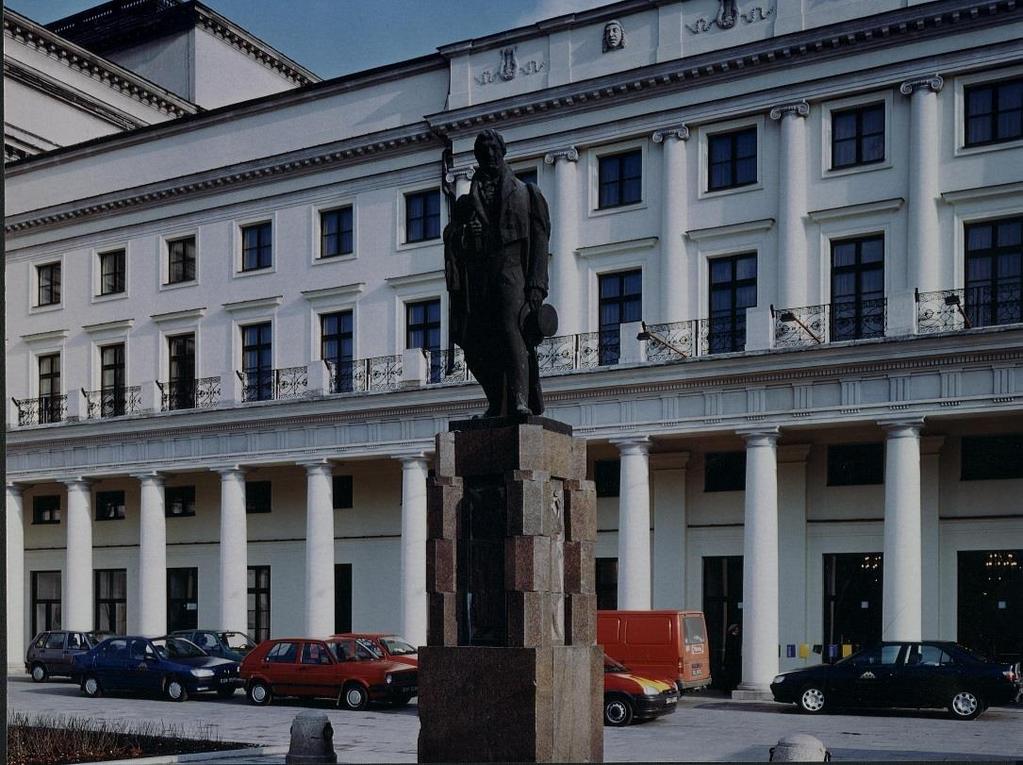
x: 811, y: 700
x: 176, y: 690
x: 355, y: 696
x: 39, y: 673
x: 965, y: 705
x: 260, y: 694
x: 225, y: 693
x: 617, y: 711
x: 91, y: 687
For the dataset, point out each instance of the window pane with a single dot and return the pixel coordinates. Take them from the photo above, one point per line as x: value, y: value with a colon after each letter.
x: 872, y: 250
x: 843, y: 153
x: 843, y: 125
x: 1010, y: 124
x: 746, y: 268
x: 978, y: 101
x: 979, y: 237
x: 746, y: 171
x: 1009, y: 233
x: 720, y: 148
x: 873, y: 119
x: 746, y: 143
x: 873, y: 148
x: 978, y: 129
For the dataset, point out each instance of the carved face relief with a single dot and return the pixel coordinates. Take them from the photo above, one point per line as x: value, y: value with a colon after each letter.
x: 508, y: 64
x: 614, y: 36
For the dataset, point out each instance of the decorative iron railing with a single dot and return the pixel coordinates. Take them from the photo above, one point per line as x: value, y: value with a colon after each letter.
x: 670, y: 341
x: 940, y: 311
x: 112, y: 402
x: 722, y: 334
x: 274, y: 384
x: 44, y: 410
x: 447, y: 367
x: 991, y: 305
x: 567, y: 353
x: 794, y: 327
x: 365, y: 375
x: 201, y: 393
x: 858, y: 319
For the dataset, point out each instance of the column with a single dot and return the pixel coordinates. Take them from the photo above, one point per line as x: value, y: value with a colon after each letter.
x: 672, y: 271
x: 792, y: 178
x: 234, y: 569
x: 319, y: 549
x: 564, y: 275
x: 922, y: 246
x: 760, y: 564
x: 77, y: 607
x: 15, y: 575
x: 634, y: 524
x: 901, y: 608
x: 930, y: 534
x: 152, y: 557
x: 793, y: 619
x: 413, y: 548
x: 669, y: 545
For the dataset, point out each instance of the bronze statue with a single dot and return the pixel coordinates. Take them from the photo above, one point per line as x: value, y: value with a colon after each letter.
x: 495, y: 257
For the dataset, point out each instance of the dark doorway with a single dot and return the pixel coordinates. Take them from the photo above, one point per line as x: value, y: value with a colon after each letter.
x: 182, y: 599
x: 853, y: 585
x: 111, y: 606
x: 259, y: 603
x: 990, y: 618
x: 46, y: 594
x: 607, y: 584
x: 342, y: 597
x: 722, y: 596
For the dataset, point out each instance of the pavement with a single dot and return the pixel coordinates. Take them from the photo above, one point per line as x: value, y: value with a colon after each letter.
x: 705, y: 728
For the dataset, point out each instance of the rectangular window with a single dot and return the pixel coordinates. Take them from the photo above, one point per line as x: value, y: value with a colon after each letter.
x: 179, y: 501
x: 607, y: 476
x: 109, y: 505
x: 111, y: 588
x: 111, y: 272
x: 620, y: 177
x: 342, y: 597
x: 46, y: 596
x: 621, y: 301
x: 343, y: 486
x: 992, y: 458
x: 337, y: 347
x: 257, y: 246
x: 181, y: 260
x: 607, y: 584
x: 724, y: 471
x: 257, y: 497
x: 994, y: 272
x: 857, y: 288
x: 48, y: 278
x: 855, y: 464
x: 422, y: 330
x: 259, y: 603
x: 732, y: 159
x: 994, y: 112
x: 112, y: 393
x: 257, y: 362
x: 853, y: 587
x: 422, y: 216
x: 733, y: 289
x: 46, y: 509
x: 336, y: 232
x: 181, y: 365
x: 49, y: 388
x: 182, y: 599
x: 527, y: 176
x: 857, y: 136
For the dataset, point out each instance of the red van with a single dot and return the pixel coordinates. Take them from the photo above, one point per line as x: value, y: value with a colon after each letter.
x: 663, y: 644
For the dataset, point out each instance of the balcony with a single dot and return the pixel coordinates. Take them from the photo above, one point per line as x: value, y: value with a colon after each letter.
x: 274, y: 384
x: 378, y: 373
x: 448, y: 367
x: 960, y: 309
x: 44, y: 410
x: 112, y: 402
x: 568, y: 353
x: 201, y: 393
x: 814, y: 325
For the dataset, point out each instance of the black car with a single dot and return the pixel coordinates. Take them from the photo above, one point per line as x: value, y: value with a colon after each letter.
x: 894, y: 674
x: 50, y: 653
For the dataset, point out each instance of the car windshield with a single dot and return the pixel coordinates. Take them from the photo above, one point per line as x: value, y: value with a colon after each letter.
x: 177, y: 648
x: 237, y: 641
x: 610, y: 665
x: 973, y: 654
x: 397, y: 646
x: 366, y: 649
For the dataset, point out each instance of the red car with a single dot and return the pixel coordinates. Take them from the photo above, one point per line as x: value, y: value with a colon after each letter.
x: 387, y: 645
x: 345, y: 669
x: 629, y: 697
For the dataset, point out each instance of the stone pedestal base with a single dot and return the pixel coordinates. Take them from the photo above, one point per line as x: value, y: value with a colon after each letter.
x: 483, y: 704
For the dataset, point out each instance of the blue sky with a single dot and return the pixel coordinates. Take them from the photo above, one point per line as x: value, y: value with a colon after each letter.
x: 333, y: 37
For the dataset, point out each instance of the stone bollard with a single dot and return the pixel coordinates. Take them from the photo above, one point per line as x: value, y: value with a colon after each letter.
x: 799, y: 748
x: 312, y: 740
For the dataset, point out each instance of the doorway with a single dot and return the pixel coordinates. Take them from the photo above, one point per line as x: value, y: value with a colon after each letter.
x: 990, y: 606
x: 722, y: 608
x: 853, y: 586
x: 182, y: 599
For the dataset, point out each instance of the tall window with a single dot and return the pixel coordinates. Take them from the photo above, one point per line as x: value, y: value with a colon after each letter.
x: 45, y: 509
x: 342, y: 597
x: 110, y: 506
x: 257, y: 362
x: 337, y: 346
x: 733, y: 289
x: 620, y: 179
x: 181, y: 260
x: 112, y: 399
x: 994, y: 272
x: 621, y: 301
x: 422, y: 330
x: 48, y: 283
x: 853, y: 584
x: 732, y: 159
x: 257, y: 246
x: 259, y: 602
x: 336, y: 232
x: 45, y: 601
x: 182, y: 599
x: 343, y: 488
x: 258, y: 497
x: 422, y: 216
x: 111, y: 272
x: 857, y: 136
x: 111, y: 600
x: 855, y: 464
x: 181, y: 366
x: 179, y: 501
x: 607, y: 583
x: 994, y: 112
x: 49, y: 388
x: 857, y: 288
x: 724, y: 471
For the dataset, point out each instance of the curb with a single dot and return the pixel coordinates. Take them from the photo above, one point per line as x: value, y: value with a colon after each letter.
x: 224, y: 754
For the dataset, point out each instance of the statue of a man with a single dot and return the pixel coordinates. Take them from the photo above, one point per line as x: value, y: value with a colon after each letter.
x: 496, y: 253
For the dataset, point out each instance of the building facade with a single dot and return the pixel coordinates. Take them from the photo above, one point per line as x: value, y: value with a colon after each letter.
x: 787, y: 260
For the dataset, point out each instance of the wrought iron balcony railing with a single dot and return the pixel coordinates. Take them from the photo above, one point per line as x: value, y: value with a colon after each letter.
x: 448, y: 366
x: 954, y: 310
x: 44, y: 410
x: 818, y: 324
x: 794, y: 327
x: 365, y: 375
x: 112, y: 402
x: 670, y: 341
x: 567, y: 353
x: 201, y: 393
x: 274, y: 384
x: 722, y: 334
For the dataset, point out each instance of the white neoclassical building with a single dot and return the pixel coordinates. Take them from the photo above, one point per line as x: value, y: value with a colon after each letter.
x: 787, y: 258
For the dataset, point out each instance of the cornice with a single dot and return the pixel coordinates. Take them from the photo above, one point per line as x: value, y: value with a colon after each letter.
x: 982, y: 192
x: 611, y: 248
x: 408, y: 280
x: 117, y: 325
x: 866, y: 208
x: 39, y: 338
x: 183, y: 315
x: 256, y: 304
x: 330, y: 293
x: 730, y: 229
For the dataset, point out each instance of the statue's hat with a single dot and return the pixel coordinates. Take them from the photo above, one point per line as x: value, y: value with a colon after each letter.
x: 538, y: 324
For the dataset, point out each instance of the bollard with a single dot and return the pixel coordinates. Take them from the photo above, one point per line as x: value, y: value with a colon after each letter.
x: 799, y: 748
x: 312, y: 740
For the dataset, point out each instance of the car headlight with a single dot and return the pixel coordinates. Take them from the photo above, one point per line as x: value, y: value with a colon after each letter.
x: 649, y: 690
x: 202, y: 673
x: 778, y: 679
x: 388, y: 679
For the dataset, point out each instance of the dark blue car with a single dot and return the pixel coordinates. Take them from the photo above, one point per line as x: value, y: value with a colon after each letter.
x: 169, y: 666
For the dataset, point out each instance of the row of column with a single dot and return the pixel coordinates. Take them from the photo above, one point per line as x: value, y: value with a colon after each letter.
x: 903, y: 541
x: 77, y: 610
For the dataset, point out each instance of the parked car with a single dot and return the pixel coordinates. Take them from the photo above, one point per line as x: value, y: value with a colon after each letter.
x: 337, y: 668
x: 171, y: 666
x: 50, y: 653
x: 629, y: 697
x: 386, y: 645
x: 226, y: 645
x: 666, y: 645
x: 896, y: 674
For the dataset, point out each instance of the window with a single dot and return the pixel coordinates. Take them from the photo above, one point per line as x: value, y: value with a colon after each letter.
x: 112, y: 398
x: 46, y: 596
x: 282, y: 653
x: 46, y: 509
x: 181, y: 260
x: 422, y: 330
x: 857, y: 136
x: 257, y: 362
x: 994, y: 272
x: 527, y: 176
x: 55, y: 640
x: 342, y: 597
x: 607, y: 476
x: 49, y: 388
x: 857, y: 288
x: 259, y: 602
x: 337, y: 346
x: 855, y: 464
x: 109, y: 505
x: 724, y: 471
x: 343, y: 492
x: 994, y: 112
x: 733, y: 289
x: 179, y: 501
x: 732, y: 159
x: 927, y: 656
x: 336, y: 232
x: 111, y: 600
x: 885, y: 655
x: 48, y: 278
x: 182, y: 599
x: 111, y: 272
x: 988, y: 458
x: 422, y: 216
x: 620, y: 179
x: 607, y: 584
x: 853, y: 586
x: 621, y: 301
x: 257, y: 246
x: 180, y: 391
x: 315, y: 653
x: 257, y: 496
